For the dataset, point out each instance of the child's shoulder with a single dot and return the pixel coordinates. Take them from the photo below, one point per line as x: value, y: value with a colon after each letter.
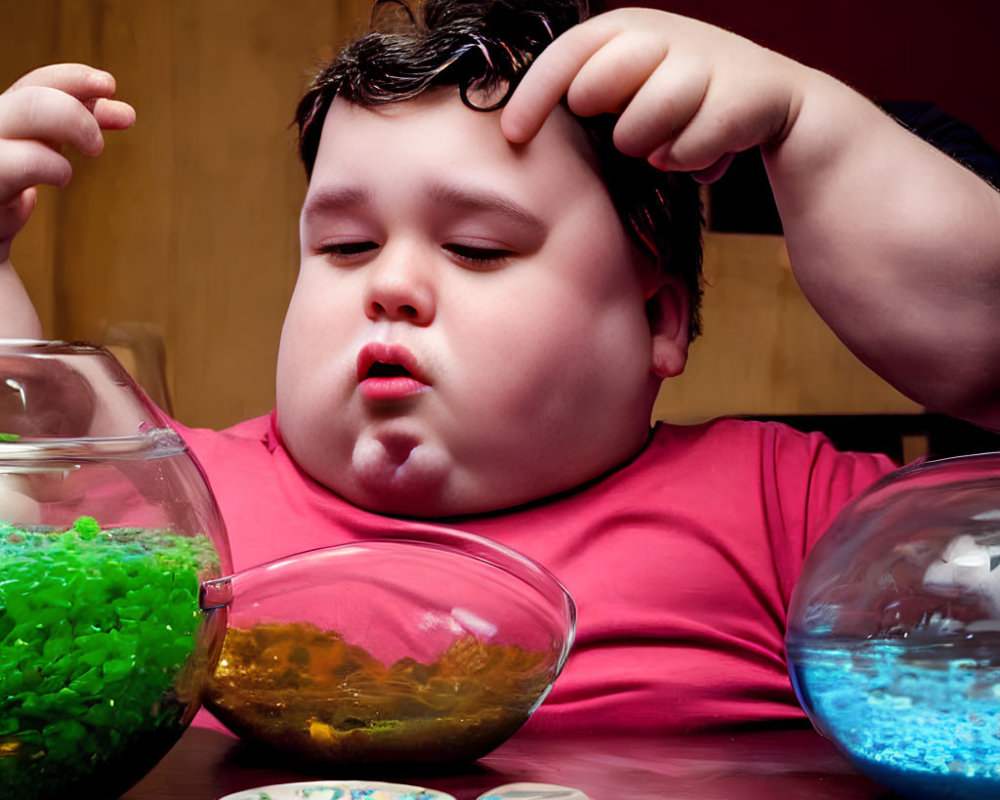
x: 246, y: 446
x: 731, y: 435
x: 764, y: 451
x: 258, y: 430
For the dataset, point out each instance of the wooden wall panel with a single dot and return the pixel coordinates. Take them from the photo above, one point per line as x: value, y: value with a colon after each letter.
x: 764, y: 350
x: 188, y: 221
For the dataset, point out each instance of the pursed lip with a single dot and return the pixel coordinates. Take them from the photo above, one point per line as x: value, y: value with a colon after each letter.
x: 389, y: 372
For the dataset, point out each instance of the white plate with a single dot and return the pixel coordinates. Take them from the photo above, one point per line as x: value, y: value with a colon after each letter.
x: 338, y: 790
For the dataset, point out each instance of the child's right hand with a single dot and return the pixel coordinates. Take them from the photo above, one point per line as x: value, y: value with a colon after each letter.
x: 61, y: 104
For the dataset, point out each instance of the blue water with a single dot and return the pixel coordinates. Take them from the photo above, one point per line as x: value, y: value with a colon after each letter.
x: 922, y: 720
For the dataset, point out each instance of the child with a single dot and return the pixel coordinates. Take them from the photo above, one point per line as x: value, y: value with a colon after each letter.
x: 488, y: 300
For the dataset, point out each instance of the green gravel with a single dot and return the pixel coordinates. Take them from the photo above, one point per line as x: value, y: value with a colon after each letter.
x: 95, y: 627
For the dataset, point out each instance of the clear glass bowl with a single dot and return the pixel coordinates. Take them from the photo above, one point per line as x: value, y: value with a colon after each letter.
x: 425, y: 650
x: 894, y: 630
x: 107, y: 530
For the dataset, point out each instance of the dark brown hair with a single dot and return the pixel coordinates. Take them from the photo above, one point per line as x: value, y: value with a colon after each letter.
x: 483, y: 47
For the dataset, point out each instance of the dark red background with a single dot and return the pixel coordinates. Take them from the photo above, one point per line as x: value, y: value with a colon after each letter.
x: 943, y: 52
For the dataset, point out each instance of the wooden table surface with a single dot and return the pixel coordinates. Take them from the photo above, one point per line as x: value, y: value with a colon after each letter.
x: 788, y: 764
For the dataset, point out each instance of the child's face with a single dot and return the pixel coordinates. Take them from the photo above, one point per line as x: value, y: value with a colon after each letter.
x: 498, y: 288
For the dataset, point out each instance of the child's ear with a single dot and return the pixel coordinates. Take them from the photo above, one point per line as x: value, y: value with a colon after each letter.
x: 669, y: 313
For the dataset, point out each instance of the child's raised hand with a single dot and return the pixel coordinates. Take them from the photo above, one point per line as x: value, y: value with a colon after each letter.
x: 62, y: 104
x: 688, y: 95
x: 895, y: 244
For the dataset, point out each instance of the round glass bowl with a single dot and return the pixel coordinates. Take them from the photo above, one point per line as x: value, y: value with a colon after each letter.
x: 107, y: 531
x: 426, y: 650
x: 894, y: 630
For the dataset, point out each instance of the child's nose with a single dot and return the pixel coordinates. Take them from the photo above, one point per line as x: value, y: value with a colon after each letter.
x: 400, y: 289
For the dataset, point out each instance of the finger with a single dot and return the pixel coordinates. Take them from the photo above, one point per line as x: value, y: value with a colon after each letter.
x: 612, y: 75
x: 79, y: 80
x: 720, y: 126
x: 665, y: 104
x: 549, y: 78
x: 49, y: 115
x: 113, y: 115
x: 93, y: 87
x: 25, y: 163
x: 713, y: 173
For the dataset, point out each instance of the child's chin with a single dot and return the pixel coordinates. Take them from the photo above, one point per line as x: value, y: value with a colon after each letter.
x: 392, y: 476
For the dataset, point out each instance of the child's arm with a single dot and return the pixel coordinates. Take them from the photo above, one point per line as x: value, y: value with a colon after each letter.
x: 63, y: 104
x: 896, y: 245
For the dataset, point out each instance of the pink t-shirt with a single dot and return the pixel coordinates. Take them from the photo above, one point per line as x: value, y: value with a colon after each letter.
x: 681, y: 562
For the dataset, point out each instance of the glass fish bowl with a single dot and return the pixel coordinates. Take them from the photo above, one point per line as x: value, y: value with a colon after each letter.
x: 107, y: 531
x: 894, y: 630
x: 424, y: 650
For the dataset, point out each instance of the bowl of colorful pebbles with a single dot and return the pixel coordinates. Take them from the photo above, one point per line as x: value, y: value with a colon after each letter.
x: 107, y: 532
x: 894, y: 630
x: 426, y: 648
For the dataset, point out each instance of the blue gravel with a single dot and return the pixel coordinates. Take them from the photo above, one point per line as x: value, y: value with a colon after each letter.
x: 922, y: 720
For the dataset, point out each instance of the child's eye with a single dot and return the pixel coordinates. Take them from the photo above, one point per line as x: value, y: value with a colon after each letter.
x: 346, y: 249
x: 479, y: 257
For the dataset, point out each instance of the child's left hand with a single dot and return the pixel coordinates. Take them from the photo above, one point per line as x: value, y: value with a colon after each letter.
x: 896, y: 245
x: 689, y: 95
